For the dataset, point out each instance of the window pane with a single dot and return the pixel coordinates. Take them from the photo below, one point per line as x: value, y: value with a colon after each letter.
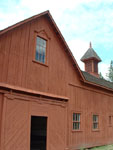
x: 43, y: 58
x: 73, y: 116
x: 44, y: 43
x: 95, y: 121
x: 36, y: 56
x: 76, y: 117
x: 95, y: 118
x: 95, y: 125
x: 38, y: 40
x: 76, y: 125
x: 40, y: 50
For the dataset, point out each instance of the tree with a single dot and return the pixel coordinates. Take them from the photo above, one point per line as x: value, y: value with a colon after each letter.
x: 110, y: 72
x: 100, y: 75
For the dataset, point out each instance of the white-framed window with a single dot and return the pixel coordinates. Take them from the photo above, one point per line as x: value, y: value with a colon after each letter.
x: 95, y: 122
x: 76, y: 121
x: 40, y: 55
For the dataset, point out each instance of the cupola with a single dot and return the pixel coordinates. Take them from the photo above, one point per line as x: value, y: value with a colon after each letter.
x: 91, y: 60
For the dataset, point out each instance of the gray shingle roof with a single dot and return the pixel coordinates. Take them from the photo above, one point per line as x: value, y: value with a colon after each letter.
x: 90, y: 53
x: 97, y: 81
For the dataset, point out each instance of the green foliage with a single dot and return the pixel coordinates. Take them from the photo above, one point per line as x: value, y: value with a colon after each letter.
x: 82, y: 148
x: 106, y: 147
x: 100, y: 75
x: 110, y: 72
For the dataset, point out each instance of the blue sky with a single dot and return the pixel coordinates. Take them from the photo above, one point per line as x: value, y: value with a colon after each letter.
x: 80, y: 21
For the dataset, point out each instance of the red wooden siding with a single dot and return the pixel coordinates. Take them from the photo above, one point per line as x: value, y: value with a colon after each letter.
x: 17, y: 123
x: 18, y: 67
x: 89, y: 102
x: 1, y: 109
x: 58, y: 76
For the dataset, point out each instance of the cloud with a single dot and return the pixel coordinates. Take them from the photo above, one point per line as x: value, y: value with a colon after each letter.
x: 78, y: 48
x: 28, y: 7
x: 103, y: 68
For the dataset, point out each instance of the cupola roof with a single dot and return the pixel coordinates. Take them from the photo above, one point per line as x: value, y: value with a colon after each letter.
x: 90, y: 53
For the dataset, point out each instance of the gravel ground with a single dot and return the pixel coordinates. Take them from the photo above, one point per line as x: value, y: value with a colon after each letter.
x: 107, y: 147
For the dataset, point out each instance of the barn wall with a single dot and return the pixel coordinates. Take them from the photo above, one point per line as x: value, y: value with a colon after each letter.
x: 17, y: 122
x: 89, y: 102
x: 17, y: 50
x: 1, y: 108
x: 17, y: 67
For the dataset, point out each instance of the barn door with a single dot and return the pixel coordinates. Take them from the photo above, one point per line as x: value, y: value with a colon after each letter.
x: 38, y: 132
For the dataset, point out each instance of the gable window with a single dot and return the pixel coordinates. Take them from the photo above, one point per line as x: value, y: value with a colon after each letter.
x: 40, y: 49
x: 76, y: 121
x: 95, y: 122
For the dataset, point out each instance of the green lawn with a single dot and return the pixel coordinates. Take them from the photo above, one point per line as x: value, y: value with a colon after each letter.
x: 107, y: 147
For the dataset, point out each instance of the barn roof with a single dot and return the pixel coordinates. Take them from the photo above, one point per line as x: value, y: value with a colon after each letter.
x: 90, y: 53
x: 98, y: 81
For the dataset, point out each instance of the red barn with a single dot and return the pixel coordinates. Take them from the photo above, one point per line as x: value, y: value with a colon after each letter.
x: 46, y: 101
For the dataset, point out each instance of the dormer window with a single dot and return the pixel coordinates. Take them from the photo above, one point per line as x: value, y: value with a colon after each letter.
x: 40, y: 50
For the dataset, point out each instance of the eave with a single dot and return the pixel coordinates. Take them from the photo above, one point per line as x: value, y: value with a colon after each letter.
x: 16, y: 89
x: 97, y: 85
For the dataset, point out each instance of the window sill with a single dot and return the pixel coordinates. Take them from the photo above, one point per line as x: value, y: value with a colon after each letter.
x: 77, y: 130
x: 95, y: 130
x: 39, y: 63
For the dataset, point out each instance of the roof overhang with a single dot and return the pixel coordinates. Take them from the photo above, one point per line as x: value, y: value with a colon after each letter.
x: 20, y: 90
x: 97, y: 85
x: 91, y: 58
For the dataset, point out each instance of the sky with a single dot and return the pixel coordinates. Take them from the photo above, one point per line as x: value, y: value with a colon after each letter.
x: 80, y: 21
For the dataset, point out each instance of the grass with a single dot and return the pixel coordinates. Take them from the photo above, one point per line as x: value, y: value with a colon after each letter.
x: 106, y: 147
